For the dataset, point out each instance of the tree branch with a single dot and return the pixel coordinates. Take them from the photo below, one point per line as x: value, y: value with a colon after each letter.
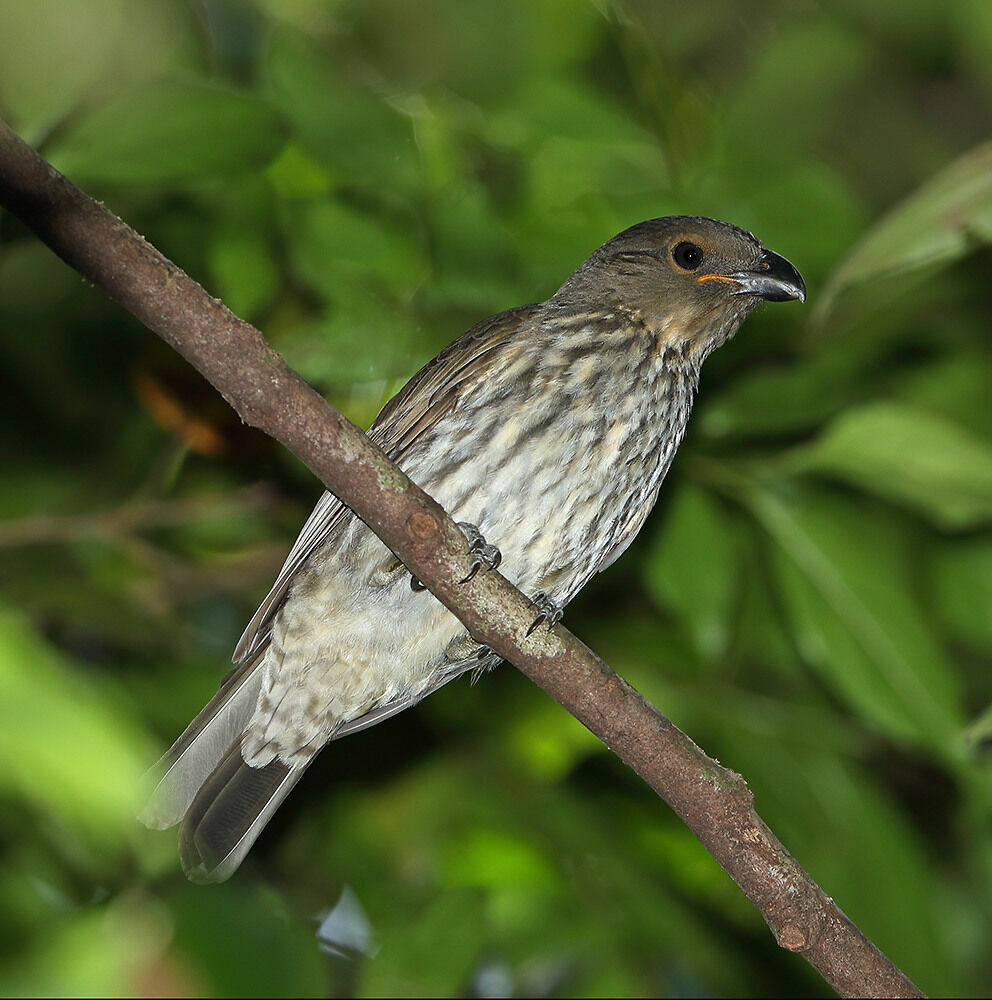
x: 714, y: 802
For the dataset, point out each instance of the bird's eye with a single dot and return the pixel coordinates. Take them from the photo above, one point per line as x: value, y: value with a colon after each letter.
x: 687, y: 255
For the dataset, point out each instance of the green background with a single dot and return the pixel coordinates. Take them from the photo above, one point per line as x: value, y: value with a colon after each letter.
x: 811, y: 600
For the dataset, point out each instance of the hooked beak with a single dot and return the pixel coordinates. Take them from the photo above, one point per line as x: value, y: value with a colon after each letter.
x: 774, y: 280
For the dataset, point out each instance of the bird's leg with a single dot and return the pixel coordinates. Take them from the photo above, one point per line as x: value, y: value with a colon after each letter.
x: 547, y: 611
x: 484, y: 555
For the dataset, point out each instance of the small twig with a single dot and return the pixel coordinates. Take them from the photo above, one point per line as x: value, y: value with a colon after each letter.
x: 714, y: 802
x: 170, y: 581
x: 138, y: 515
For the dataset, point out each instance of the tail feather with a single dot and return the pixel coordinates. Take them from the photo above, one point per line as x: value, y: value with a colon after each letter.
x: 204, y: 783
x: 222, y: 802
x: 229, y: 812
x: 195, y: 755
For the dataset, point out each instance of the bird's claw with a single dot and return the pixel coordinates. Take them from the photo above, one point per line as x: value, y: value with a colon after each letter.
x: 484, y: 555
x: 547, y: 611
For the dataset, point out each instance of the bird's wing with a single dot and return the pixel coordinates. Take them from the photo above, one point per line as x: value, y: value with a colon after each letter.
x: 628, y: 532
x: 442, y: 383
x: 432, y: 393
x: 322, y: 520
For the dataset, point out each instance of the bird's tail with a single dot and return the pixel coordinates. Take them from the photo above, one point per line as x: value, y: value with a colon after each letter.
x: 228, y: 814
x: 223, y: 803
x: 204, y: 783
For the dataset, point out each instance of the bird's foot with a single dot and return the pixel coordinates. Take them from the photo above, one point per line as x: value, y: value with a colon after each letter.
x: 483, y: 555
x: 548, y: 612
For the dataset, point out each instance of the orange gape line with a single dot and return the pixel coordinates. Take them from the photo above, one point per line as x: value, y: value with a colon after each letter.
x: 716, y: 277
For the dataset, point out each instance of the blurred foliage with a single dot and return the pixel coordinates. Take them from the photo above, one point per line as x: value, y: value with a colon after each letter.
x: 811, y: 600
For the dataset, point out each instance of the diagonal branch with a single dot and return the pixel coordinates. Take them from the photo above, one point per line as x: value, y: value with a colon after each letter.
x: 714, y: 802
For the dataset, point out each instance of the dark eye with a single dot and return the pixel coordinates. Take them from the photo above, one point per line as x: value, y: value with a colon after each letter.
x: 687, y: 255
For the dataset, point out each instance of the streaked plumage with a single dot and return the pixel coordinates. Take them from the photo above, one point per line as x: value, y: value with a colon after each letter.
x: 551, y: 428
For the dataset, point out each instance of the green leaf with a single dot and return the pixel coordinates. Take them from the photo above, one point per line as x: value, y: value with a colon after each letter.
x: 411, y: 962
x: 937, y: 224
x: 478, y: 51
x: 63, y: 748
x: 496, y: 859
x: 333, y: 244
x: 578, y: 145
x: 777, y: 400
x: 168, y: 132
x: 971, y: 23
x: 979, y: 731
x: 363, y: 339
x: 294, y: 174
x: 547, y: 742
x: 47, y: 63
x: 475, y: 263
x: 818, y: 56
x: 565, y: 108
x: 241, y: 941
x: 955, y: 386
x: 105, y: 950
x: 692, y: 569
x: 242, y: 265
x: 366, y: 269
x: 844, y: 581
x: 962, y: 579
x: 909, y: 456
x: 348, y: 128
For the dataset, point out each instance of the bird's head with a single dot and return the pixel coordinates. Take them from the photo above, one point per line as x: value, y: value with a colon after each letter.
x: 692, y: 280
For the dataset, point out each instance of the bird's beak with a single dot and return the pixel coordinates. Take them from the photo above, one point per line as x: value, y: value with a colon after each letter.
x: 774, y: 279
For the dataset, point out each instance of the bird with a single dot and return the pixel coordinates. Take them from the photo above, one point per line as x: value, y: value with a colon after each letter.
x: 546, y: 432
